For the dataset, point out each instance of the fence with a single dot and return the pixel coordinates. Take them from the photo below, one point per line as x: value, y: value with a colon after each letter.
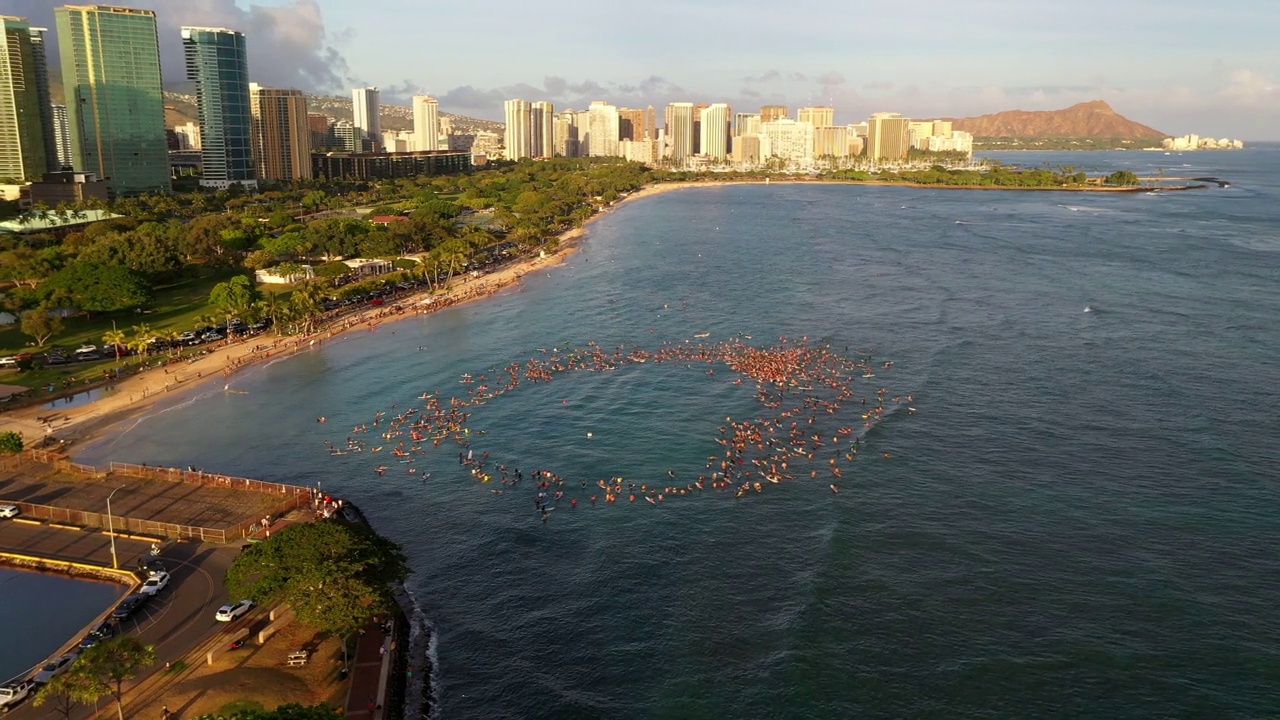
x: 292, y: 497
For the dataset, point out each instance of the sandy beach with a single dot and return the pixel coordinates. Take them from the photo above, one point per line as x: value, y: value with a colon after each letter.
x: 138, y: 392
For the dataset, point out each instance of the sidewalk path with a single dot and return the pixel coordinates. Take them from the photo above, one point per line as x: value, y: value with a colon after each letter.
x: 369, y: 673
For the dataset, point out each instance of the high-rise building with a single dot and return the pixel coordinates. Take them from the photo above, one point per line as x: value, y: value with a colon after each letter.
x: 319, y: 125
x: 746, y: 124
x: 769, y: 113
x: 115, y: 102
x: 426, y: 122
x: 188, y: 135
x: 399, y: 141
x: 887, y: 136
x: 787, y: 140
x: 22, y: 130
x: 61, y: 136
x: 715, y: 131
x: 565, y: 134
x: 281, y: 133
x: 636, y: 124
x: 831, y: 142
x: 40, y: 61
x: 918, y: 133
x: 679, y: 127
x: 542, y: 130
x: 603, y: 133
x: 365, y: 109
x: 697, y: 127
x: 820, y: 116
x: 942, y: 128
x: 342, y: 134
x: 218, y: 63
x: 518, y: 136
x: 746, y: 149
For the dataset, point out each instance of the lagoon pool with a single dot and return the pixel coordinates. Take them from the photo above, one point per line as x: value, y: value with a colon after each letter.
x: 42, y: 611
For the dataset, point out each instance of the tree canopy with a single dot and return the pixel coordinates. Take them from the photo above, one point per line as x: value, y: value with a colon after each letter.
x: 284, y: 712
x: 336, y: 575
x: 98, y: 288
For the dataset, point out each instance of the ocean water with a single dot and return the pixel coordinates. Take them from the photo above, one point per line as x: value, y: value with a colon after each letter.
x: 1078, y: 522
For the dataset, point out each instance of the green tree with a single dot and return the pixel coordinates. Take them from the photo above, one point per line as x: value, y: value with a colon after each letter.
x: 111, y: 662
x: 233, y: 297
x: 99, y: 288
x: 73, y: 687
x: 1122, y: 177
x: 334, y: 574
x: 41, y: 324
x: 114, y: 338
x: 10, y: 442
x: 284, y: 712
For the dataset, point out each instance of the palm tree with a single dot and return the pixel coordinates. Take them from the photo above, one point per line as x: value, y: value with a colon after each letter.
x: 114, y: 338
x: 142, y: 335
x: 305, y: 302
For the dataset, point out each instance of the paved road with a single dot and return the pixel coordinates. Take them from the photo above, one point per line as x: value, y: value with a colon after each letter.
x: 174, y: 622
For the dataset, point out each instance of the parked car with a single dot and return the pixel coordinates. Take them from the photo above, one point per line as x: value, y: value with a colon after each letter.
x: 9, y: 511
x: 54, y: 359
x: 55, y: 667
x: 210, y: 337
x: 187, y: 336
x: 231, y: 611
x: 86, y: 357
x: 86, y: 349
x: 105, y: 630
x: 14, y: 693
x: 155, y: 583
x: 129, y: 606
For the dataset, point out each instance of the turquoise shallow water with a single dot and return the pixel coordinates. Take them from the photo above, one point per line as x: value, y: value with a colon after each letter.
x: 1078, y: 522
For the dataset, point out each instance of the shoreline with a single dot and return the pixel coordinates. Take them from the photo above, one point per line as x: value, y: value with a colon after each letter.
x: 145, y: 389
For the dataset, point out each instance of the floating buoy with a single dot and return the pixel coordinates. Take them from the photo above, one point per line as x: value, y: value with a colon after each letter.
x: 590, y: 435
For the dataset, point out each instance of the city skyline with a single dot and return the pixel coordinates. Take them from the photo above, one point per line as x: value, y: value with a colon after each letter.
x: 1177, y: 66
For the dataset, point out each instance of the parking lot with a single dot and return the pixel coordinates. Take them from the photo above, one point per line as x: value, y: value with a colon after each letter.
x: 159, y: 500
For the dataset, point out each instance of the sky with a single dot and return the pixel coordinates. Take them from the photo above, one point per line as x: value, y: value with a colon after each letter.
x: 1176, y: 65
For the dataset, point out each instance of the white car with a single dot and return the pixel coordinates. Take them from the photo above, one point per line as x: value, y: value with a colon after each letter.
x: 154, y: 584
x: 9, y: 511
x: 86, y: 349
x: 15, y: 693
x: 231, y: 611
x: 54, y: 668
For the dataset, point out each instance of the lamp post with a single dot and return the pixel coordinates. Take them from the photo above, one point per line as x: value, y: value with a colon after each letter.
x: 111, y: 530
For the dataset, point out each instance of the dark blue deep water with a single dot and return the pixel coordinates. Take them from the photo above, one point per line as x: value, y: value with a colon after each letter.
x: 1080, y: 521
x: 42, y: 611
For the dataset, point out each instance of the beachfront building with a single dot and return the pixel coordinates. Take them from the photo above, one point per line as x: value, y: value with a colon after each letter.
x: 426, y: 123
x: 830, y: 142
x: 281, y: 133
x: 769, y: 113
x: 219, y: 65
x: 518, y: 135
x: 714, y: 131
x: 564, y: 134
x: 366, y: 103
x: 23, y: 147
x: 746, y: 151
x: 888, y: 136
x: 746, y: 124
x: 115, y: 102
x: 637, y: 124
x: 819, y: 116
x: 787, y: 141
x: 387, y: 165
x: 542, y: 129
x: 679, y: 130
x: 603, y: 129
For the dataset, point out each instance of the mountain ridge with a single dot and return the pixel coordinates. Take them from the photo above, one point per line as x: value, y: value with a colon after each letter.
x: 1093, y: 119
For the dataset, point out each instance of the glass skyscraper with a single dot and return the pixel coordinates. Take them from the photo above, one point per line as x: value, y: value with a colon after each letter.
x: 22, y: 129
x: 217, y: 62
x: 115, y: 101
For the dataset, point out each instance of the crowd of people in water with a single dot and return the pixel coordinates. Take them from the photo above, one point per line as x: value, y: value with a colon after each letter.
x: 814, y: 427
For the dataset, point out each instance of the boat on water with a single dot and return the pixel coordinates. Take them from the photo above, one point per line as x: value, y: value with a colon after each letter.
x: 702, y: 335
